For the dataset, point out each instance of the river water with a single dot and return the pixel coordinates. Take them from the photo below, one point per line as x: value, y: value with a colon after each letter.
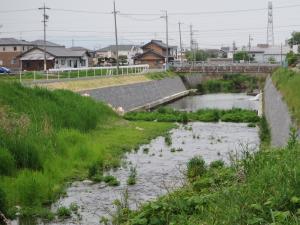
x: 160, y: 170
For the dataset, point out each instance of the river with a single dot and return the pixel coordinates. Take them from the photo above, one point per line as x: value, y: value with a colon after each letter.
x: 159, y: 169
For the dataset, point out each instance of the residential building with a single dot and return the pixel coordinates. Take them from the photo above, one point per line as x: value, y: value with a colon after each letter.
x: 57, y: 58
x: 10, y: 48
x: 124, y: 50
x: 91, y: 54
x: 154, y: 54
x: 40, y: 43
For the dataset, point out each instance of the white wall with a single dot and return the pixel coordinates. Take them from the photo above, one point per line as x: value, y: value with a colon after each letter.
x: 11, y: 48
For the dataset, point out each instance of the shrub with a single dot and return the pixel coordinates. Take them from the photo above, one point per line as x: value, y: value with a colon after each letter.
x: 7, y: 162
x: 63, y: 212
x: 217, y: 164
x: 168, y: 140
x: 132, y: 176
x: 111, y: 180
x: 3, y: 207
x: 196, y: 167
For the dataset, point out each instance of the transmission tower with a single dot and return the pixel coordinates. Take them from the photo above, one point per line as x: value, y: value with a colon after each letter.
x: 270, y: 29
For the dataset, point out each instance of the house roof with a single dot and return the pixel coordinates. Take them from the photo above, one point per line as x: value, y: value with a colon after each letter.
x: 48, y: 43
x: 52, y: 51
x: 150, y: 51
x: 159, y: 43
x: 78, y: 48
x: 13, y: 41
x: 114, y: 48
x: 271, y: 50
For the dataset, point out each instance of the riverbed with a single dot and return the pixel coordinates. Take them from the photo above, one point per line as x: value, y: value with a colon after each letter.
x: 161, y: 168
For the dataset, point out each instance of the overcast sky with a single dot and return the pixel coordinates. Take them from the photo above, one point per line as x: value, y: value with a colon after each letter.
x: 95, y: 30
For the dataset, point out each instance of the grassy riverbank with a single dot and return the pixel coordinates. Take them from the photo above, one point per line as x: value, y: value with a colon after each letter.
x: 288, y: 82
x: 50, y: 138
x: 260, y: 189
x: 230, y: 83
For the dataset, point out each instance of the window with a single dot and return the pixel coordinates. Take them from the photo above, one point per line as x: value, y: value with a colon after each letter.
x: 70, y: 63
x: 4, y: 49
x: 56, y: 61
x: 15, y: 49
x: 13, y: 61
x: 23, y: 48
x: 63, y: 62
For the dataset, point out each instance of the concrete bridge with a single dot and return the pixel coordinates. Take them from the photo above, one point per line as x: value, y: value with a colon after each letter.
x: 221, y: 68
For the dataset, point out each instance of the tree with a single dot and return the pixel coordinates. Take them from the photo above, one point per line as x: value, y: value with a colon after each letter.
x: 272, y: 60
x: 295, y: 39
x: 198, y: 55
x: 123, y: 59
x: 242, y: 55
x: 292, y: 58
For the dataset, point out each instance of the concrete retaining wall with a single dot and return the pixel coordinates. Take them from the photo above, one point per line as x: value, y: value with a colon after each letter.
x: 277, y: 115
x: 135, y: 96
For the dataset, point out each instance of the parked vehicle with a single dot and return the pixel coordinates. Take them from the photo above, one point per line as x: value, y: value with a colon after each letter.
x: 4, y: 70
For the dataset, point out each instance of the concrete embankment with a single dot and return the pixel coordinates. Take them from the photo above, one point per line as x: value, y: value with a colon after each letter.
x: 140, y: 95
x: 277, y: 115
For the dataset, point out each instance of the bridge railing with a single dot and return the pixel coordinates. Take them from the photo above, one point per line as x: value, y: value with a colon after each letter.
x: 81, y: 73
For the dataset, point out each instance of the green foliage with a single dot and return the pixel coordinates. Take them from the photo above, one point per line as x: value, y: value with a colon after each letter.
x: 160, y: 75
x: 52, y: 137
x: 132, y: 176
x: 217, y: 164
x: 205, y: 115
x: 288, y: 83
x: 63, y: 212
x: 264, y: 132
x: 262, y: 188
x: 242, y: 55
x: 7, y: 162
x: 3, y: 205
x: 198, y: 55
x: 111, y: 180
x: 196, y: 167
x: 295, y: 39
x: 292, y: 58
x: 230, y: 83
x: 168, y: 140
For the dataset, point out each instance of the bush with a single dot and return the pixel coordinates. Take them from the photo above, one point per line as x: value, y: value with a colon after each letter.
x: 196, y: 167
x: 217, y: 164
x: 132, y: 176
x: 63, y: 212
x: 7, y: 162
x: 2, y: 201
x: 111, y: 180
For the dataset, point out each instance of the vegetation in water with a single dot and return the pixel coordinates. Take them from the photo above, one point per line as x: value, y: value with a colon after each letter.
x: 259, y: 188
x: 63, y: 212
x: 132, y: 176
x: 50, y: 137
x: 230, y: 83
x: 168, y: 140
x: 165, y: 114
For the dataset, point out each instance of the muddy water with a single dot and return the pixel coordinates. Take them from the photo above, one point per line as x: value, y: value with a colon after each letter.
x: 220, y: 101
x: 159, y: 170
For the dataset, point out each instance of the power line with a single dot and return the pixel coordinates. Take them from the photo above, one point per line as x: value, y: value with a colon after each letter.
x: 17, y: 10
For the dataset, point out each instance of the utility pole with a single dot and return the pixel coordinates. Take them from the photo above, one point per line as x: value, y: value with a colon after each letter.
x: 270, y: 28
x: 281, y: 54
x: 45, y: 20
x: 249, y: 45
x: 116, y: 36
x: 192, y: 44
x: 233, y: 49
x: 180, y: 40
x: 167, y: 37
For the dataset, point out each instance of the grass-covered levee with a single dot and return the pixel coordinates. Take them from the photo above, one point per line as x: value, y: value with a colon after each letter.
x: 49, y: 138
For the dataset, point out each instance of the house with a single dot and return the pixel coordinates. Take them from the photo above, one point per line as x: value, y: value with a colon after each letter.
x: 154, y: 54
x: 266, y: 53
x: 125, y: 51
x: 10, y: 48
x: 57, y: 58
x: 40, y: 43
x: 91, y: 54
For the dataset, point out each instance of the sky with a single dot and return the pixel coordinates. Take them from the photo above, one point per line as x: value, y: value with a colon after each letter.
x: 90, y: 23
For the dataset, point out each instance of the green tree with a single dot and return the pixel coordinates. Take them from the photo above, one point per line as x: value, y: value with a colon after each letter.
x: 123, y: 59
x: 295, y: 39
x: 198, y: 55
x: 292, y: 58
x: 272, y: 60
x: 242, y: 55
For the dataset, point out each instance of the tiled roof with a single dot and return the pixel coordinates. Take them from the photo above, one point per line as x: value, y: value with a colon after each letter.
x: 13, y: 41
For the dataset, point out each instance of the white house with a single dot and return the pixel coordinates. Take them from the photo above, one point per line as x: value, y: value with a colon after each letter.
x: 124, y: 50
x: 57, y: 58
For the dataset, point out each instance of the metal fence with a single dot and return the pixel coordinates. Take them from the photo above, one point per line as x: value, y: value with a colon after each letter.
x: 81, y: 73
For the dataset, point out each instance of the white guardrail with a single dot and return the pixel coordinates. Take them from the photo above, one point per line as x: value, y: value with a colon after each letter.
x: 84, y: 72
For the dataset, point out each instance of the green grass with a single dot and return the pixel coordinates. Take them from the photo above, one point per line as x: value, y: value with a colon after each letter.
x: 165, y: 114
x: 160, y: 75
x: 230, y: 83
x: 263, y: 188
x: 288, y: 83
x: 49, y: 138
